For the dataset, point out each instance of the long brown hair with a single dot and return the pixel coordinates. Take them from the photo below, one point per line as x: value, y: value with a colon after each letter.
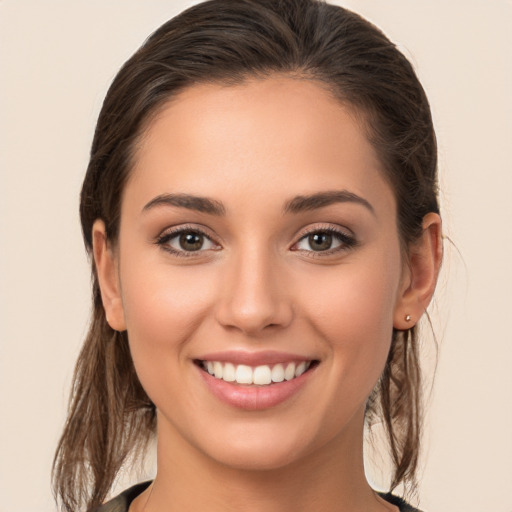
x: 223, y: 41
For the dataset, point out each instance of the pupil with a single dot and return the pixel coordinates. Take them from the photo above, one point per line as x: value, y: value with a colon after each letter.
x: 191, y: 241
x: 320, y: 241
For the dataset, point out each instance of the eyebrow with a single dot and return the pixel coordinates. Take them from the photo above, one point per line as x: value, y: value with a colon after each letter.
x: 190, y: 202
x: 296, y: 205
x: 321, y: 199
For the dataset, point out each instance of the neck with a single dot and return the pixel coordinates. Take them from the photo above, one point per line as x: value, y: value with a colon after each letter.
x: 331, y: 479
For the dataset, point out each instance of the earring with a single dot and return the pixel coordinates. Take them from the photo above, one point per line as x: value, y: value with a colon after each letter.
x: 407, y: 318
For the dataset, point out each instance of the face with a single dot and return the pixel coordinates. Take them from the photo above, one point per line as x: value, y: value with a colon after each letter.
x: 258, y: 271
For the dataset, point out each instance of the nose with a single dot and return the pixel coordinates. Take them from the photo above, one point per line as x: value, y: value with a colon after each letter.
x: 254, y: 297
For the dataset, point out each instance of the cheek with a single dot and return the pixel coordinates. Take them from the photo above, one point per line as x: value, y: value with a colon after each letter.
x: 357, y: 301
x: 354, y: 313
x: 163, y: 307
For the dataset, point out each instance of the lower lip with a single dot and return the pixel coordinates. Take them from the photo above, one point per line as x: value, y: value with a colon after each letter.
x: 254, y: 398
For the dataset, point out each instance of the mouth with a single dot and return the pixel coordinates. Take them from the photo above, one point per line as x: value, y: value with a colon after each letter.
x: 261, y: 375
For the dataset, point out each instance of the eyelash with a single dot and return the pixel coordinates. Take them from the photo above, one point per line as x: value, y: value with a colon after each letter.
x: 164, y: 239
x: 345, y: 240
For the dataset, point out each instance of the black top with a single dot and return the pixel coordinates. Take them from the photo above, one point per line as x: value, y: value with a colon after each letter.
x: 122, y: 502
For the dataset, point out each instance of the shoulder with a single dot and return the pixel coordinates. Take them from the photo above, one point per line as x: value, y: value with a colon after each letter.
x: 122, y: 502
x: 399, y: 502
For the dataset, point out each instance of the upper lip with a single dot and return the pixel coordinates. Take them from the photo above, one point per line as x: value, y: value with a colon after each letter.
x: 254, y: 358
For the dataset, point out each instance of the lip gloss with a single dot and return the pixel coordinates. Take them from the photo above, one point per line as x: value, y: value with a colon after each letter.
x: 253, y: 397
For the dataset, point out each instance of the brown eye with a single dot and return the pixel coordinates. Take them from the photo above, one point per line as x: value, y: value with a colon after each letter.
x: 320, y: 241
x: 325, y: 240
x: 184, y: 242
x: 191, y: 241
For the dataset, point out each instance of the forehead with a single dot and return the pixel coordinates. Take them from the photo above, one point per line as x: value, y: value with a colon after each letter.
x: 262, y: 136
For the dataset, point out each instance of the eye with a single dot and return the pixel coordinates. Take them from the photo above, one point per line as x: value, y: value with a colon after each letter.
x: 318, y: 242
x: 325, y: 240
x: 184, y: 242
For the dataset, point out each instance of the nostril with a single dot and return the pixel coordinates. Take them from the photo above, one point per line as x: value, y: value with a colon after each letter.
x: 252, y: 316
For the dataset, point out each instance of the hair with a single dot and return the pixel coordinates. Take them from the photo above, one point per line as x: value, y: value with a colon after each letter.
x: 220, y: 41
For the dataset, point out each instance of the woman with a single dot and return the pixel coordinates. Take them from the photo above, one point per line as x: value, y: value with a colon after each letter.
x: 261, y: 209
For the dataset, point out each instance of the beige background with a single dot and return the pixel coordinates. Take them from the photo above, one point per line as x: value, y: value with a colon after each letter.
x: 57, y: 59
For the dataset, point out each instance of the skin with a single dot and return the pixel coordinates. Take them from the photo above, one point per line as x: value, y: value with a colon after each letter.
x: 259, y: 285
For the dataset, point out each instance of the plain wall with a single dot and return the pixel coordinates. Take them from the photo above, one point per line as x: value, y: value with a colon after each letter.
x: 56, y: 60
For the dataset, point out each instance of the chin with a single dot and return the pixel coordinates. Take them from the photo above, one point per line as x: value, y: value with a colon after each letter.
x: 258, y: 456
x: 263, y: 445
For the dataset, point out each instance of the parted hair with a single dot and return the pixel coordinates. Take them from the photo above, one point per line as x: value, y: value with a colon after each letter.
x: 110, y: 416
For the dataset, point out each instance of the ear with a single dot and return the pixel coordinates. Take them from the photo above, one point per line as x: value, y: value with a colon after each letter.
x: 108, y: 277
x: 420, y: 274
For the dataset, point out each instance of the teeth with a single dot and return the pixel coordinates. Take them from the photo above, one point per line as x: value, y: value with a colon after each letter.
x: 300, y: 369
x: 243, y: 374
x: 228, y: 373
x: 278, y: 373
x: 289, y: 373
x: 260, y: 375
x: 217, y: 370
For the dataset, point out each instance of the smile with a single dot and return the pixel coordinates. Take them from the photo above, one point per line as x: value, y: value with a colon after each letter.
x: 262, y: 375
x: 255, y: 381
